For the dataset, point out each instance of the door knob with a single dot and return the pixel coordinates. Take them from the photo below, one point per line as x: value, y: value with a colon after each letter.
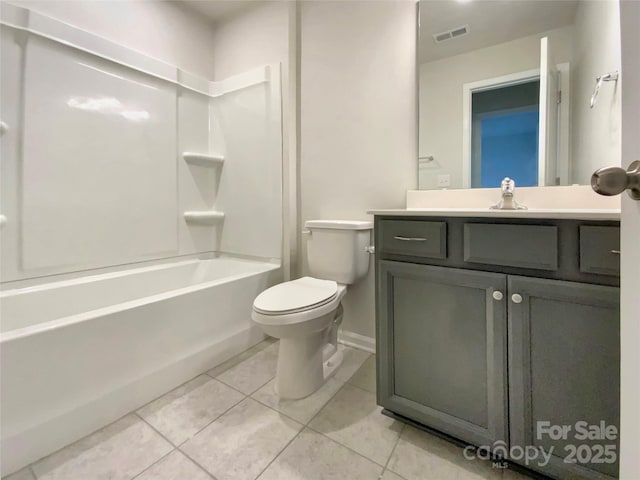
x: 516, y: 298
x: 497, y: 295
x: 610, y: 181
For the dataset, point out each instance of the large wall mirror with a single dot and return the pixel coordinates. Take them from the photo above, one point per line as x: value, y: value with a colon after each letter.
x: 506, y: 87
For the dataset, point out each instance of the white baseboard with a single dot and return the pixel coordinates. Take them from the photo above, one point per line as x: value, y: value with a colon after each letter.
x: 355, y: 340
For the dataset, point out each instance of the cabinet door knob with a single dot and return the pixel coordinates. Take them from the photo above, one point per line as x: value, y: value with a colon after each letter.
x: 516, y: 298
x: 497, y: 295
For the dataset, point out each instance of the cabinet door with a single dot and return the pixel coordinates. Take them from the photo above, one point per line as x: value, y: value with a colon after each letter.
x: 442, y: 349
x: 564, y: 368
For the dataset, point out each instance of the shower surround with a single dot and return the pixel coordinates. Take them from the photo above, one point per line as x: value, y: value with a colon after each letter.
x: 142, y: 213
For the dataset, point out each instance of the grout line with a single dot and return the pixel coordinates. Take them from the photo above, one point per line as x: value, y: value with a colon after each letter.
x: 156, y: 462
x: 219, y: 416
x: 154, y: 429
x: 346, y: 446
x: 395, y: 445
x: 326, y: 404
x: 197, y: 464
x: 64, y: 447
x: 255, y: 351
x: 314, y: 415
x: 267, y: 406
x: 168, y: 392
x: 230, y: 386
x: 281, y: 451
x: 246, y: 394
x: 360, y: 388
x: 178, y: 447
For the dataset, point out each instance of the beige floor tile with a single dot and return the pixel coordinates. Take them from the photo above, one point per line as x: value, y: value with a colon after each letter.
x: 232, y: 362
x: 389, y: 475
x: 254, y: 372
x: 117, y: 452
x: 312, y: 456
x: 422, y: 456
x: 175, y: 466
x: 183, y: 412
x: 24, y: 474
x: 301, y: 410
x: 241, y: 443
x: 365, y: 377
x: 352, y: 361
x: 353, y: 419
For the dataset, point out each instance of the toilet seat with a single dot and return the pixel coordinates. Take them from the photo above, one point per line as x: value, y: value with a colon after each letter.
x: 296, y: 296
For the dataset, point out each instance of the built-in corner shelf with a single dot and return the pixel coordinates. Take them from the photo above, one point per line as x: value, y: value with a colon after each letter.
x: 205, y: 217
x: 202, y: 159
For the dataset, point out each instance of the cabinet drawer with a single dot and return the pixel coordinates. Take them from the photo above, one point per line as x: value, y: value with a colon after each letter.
x: 415, y: 238
x: 524, y: 246
x: 600, y: 250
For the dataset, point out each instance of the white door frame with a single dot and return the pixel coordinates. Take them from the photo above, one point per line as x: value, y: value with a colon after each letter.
x: 630, y: 254
x: 468, y: 89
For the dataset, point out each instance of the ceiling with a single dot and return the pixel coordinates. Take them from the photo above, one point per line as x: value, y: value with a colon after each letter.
x: 216, y: 10
x: 491, y: 22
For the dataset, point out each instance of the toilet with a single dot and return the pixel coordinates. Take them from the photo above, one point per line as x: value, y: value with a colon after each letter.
x: 305, y: 314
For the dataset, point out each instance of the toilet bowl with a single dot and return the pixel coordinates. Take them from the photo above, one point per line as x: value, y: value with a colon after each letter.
x: 305, y: 314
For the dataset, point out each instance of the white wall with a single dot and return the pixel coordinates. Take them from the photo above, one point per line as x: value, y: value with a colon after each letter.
x: 358, y: 119
x: 260, y: 36
x: 168, y: 31
x: 441, y: 81
x: 595, y: 132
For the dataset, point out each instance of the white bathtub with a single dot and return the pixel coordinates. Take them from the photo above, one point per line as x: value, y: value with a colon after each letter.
x: 78, y: 354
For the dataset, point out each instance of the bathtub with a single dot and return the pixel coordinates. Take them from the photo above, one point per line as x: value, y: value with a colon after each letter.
x: 77, y: 354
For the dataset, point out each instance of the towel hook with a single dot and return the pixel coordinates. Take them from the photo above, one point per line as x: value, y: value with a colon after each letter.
x: 605, y: 77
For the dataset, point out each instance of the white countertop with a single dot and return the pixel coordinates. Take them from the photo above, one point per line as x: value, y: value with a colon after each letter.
x: 566, y: 213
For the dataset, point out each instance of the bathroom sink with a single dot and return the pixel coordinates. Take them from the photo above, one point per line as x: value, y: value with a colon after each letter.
x: 571, y: 213
x: 574, y: 202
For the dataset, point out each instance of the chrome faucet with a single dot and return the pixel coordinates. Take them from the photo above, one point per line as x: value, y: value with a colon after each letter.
x: 508, y: 188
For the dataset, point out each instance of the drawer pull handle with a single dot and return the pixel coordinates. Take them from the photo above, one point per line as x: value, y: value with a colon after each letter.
x: 615, y: 252
x: 516, y: 298
x: 410, y: 239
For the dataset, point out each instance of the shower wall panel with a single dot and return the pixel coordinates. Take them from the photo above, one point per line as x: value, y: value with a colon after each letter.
x: 93, y: 171
x: 98, y: 161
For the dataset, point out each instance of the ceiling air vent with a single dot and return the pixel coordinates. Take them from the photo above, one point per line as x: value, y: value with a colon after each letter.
x: 449, y: 34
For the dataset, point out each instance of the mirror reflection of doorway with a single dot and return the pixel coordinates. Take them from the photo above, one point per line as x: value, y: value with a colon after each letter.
x: 504, y: 134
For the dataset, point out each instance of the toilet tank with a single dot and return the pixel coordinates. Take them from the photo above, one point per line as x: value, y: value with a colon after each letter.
x: 336, y: 249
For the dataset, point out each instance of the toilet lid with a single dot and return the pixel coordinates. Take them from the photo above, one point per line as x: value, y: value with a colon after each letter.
x: 296, y: 295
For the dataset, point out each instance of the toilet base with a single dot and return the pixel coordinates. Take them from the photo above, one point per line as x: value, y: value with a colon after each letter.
x: 302, y: 368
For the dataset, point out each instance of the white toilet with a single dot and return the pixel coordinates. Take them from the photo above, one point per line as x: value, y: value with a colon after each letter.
x: 305, y: 313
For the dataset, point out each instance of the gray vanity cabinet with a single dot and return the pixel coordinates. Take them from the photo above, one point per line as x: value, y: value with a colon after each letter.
x: 488, y: 328
x: 445, y: 338
x: 564, y: 362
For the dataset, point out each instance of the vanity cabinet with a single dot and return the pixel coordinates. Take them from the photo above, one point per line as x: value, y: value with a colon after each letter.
x: 488, y: 327
x: 564, y: 368
x: 444, y: 346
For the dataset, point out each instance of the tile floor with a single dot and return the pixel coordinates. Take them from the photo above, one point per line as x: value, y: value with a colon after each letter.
x: 228, y: 424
